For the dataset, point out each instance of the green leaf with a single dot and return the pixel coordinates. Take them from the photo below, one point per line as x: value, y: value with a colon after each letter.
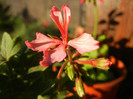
x: 92, y: 54
x: 103, y: 49
x: 83, y: 71
x: 6, y: 46
x: 104, y: 75
x: 40, y: 97
x: 16, y: 46
x: 54, y: 95
x: 87, y: 67
x: 61, y: 95
x: 101, y: 38
x: 37, y: 68
x: 9, y: 47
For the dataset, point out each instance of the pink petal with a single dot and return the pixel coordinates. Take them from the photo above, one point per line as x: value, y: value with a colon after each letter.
x: 82, y: 1
x: 84, y: 43
x: 67, y: 16
x: 57, y: 54
x: 57, y: 18
x: 42, y: 43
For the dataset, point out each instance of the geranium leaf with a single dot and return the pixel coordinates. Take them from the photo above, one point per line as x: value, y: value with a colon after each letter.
x: 9, y: 47
x: 6, y: 46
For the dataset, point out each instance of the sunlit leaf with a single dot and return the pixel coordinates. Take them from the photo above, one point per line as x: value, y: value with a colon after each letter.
x: 6, y: 46
x: 91, y: 55
x: 36, y: 68
x: 9, y: 47
x: 101, y: 38
x: 104, y: 49
x: 40, y: 97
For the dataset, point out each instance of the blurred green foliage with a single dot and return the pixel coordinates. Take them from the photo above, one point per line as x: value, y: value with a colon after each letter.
x: 21, y: 76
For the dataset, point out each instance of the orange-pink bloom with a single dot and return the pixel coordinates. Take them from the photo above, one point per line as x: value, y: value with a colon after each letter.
x: 42, y: 43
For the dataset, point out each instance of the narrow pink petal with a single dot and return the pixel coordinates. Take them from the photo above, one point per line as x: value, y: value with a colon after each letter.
x: 100, y: 1
x: 57, y: 54
x: 82, y: 1
x: 67, y: 15
x: 42, y: 43
x: 84, y: 43
x: 57, y: 18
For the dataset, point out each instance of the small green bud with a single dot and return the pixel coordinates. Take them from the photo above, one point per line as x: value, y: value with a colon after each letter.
x: 70, y: 71
x: 79, y: 87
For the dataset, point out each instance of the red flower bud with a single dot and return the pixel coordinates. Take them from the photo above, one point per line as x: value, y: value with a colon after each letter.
x: 101, y: 63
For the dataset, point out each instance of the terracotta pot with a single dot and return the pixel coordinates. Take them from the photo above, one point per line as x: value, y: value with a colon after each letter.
x: 109, y: 89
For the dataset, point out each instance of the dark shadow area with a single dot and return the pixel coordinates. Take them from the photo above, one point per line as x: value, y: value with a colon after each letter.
x: 26, y: 16
x: 22, y: 82
x: 6, y: 20
x: 120, y: 51
x: 111, y: 22
x: 126, y: 55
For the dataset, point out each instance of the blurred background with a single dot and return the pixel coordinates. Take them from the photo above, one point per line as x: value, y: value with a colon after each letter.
x: 115, y: 19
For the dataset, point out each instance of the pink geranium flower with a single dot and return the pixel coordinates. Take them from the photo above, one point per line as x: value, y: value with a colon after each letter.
x: 42, y: 43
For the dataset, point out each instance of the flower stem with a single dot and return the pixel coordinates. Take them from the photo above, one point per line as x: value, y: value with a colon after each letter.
x: 59, y: 74
x: 61, y: 69
x: 76, y: 55
x: 69, y: 54
x: 95, y: 20
x: 77, y: 70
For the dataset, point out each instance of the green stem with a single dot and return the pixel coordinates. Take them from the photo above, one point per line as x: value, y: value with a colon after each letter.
x: 77, y: 70
x: 76, y: 55
x: 69, y: 53
x: 95, y: 21
x: 61, y: 69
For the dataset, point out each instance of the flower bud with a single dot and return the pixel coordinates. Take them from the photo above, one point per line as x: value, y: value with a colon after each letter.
x: 70, y: 71
x: 101, y: 63
x: 79, y: 87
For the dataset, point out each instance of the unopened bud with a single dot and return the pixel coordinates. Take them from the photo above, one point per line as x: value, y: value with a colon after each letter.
x: 101, y: 63
x: 70, y: 71
x: 79, y: 87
